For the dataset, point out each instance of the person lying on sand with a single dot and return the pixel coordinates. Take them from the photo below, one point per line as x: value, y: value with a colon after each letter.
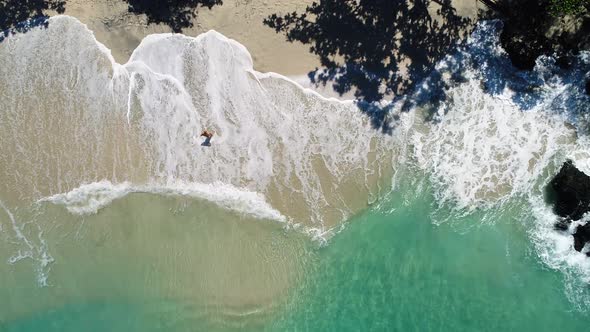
x: 207, y: 133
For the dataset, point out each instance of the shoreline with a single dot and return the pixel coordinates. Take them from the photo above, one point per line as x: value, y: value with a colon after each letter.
x: 241, y: 20
x: 122, y: 32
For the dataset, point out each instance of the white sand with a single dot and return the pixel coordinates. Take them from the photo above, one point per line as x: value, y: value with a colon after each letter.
x: 237, y: 19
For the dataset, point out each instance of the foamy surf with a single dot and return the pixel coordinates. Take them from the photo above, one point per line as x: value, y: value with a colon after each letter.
x: 491, y: 139
x: 90, y: 198
x: 498, y: 136
x: 555, y: 248
x: 486, y: 149
x: 137, y: 123
x: 82, y: 131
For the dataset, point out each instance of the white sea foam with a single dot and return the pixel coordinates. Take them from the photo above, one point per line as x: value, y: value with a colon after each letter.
x: 270, y: 130
x: 71, y: 116
x: 90, y: 198
x: 138, y: 123
x: 556, y: 249
x: 29, y: 249
x: 500, y: 135
x: 485, y: 149
x: 496, y: 131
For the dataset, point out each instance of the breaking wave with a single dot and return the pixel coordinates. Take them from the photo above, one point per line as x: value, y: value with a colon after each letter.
x: 89, y: 198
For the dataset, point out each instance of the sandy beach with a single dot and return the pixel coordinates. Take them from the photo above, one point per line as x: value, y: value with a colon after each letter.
x: 241, y: 20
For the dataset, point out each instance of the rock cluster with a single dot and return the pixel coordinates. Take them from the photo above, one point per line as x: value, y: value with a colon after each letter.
x: 531, y: 30
x: 569, y: 192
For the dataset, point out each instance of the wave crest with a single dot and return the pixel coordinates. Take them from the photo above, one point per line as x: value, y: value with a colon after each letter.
x: 90, y: 198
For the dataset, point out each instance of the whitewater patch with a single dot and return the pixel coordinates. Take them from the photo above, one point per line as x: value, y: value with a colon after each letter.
x: 556, y: 250
x: 495, y: 136
x: 90, y: 198
x: 495, y: 131
x: 484, y: 150
x: 316, y: 160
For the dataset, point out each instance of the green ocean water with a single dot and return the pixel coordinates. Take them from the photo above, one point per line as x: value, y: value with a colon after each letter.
x: 114, y: 218
x: 397, y: 271
x: 390, y: 269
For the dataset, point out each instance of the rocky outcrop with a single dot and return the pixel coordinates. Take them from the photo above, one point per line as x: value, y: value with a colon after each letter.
x: 581, y: 237
x: 569, y: 192
x: 523, y: 46
x: 531, y: 30
x: 563, y: 224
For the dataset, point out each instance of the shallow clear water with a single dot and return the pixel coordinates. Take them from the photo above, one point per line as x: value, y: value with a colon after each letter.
x: 398, y: 271
x: 151, y: 261
x: 391, y: 268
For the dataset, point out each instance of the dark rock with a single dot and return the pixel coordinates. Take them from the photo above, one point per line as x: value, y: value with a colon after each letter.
x: 588, y: 86
x: 569, y: 192
x: 581, y: 237
x: 524, y: 47
x: 523, y: 36
x: 563, y: 224
x: 564, y: 61
x: 531, y: 30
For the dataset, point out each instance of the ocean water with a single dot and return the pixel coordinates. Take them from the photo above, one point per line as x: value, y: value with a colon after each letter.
x: 301, y: 215
x: 394, y: 270
x: 391, y: 268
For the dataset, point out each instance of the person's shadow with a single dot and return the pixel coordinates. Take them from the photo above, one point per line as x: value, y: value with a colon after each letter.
x: 207, y: 142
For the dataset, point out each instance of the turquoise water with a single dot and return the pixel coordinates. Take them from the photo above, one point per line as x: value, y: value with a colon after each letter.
x: 391, y: 268
x: 399, y: 271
